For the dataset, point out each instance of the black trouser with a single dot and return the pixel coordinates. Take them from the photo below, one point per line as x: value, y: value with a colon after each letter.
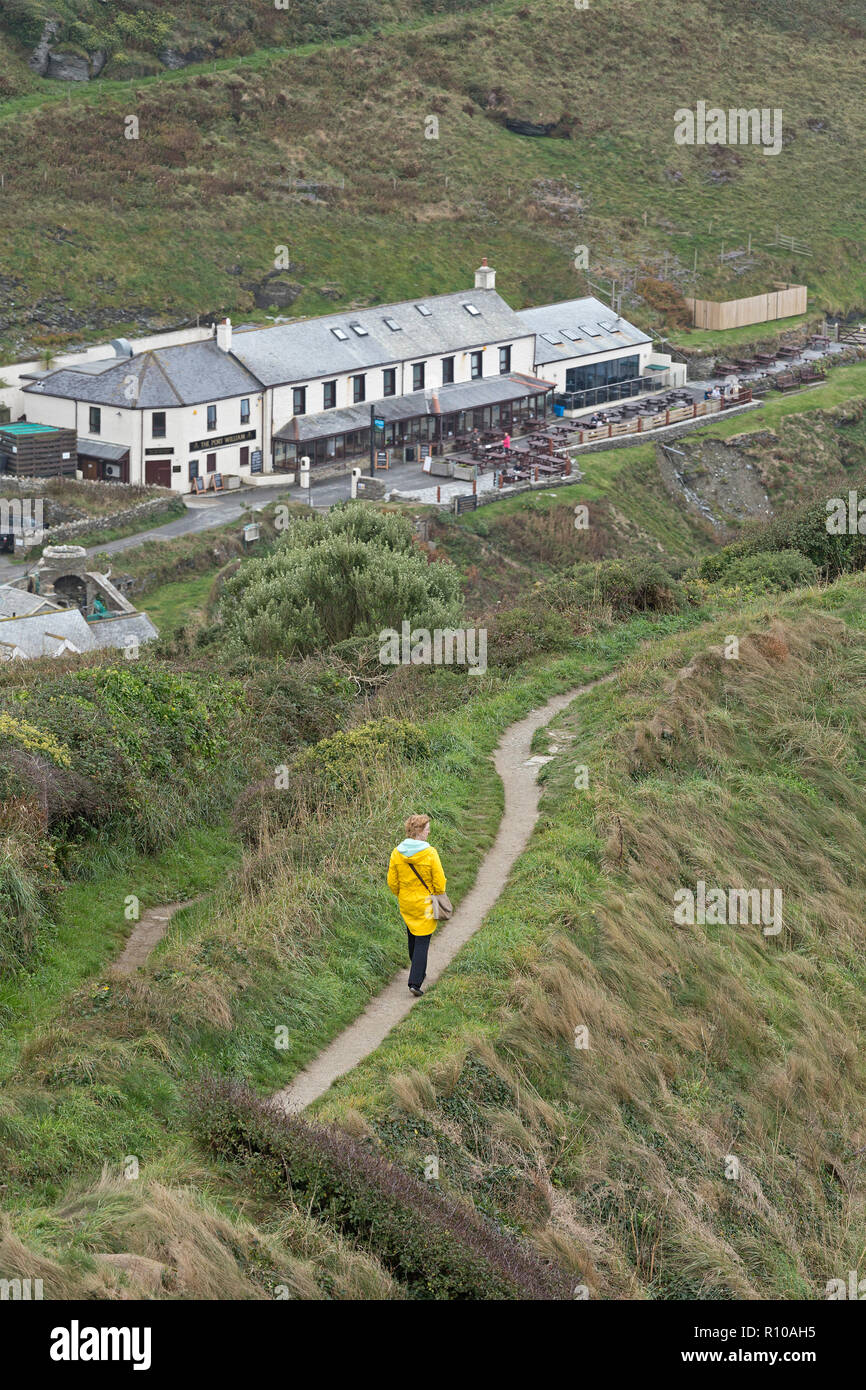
x: 418, y: 948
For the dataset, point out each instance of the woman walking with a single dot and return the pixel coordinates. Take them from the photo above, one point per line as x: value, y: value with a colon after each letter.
x: 414, y: 875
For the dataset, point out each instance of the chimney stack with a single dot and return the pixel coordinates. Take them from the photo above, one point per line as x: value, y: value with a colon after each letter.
x: 224, y: 335
x: 485, y: 276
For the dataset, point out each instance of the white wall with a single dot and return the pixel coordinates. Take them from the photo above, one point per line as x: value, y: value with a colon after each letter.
x: 522, y: 360
x: 133, y: 430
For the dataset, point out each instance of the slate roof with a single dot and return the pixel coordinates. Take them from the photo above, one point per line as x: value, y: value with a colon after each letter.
x: 43, y: 634
x: 298, y: 352
x: 187, y: 374
x: 577, y: 316
x: 101, y: 449
x: 438, y: 400
x: 113, y: 631
x: 17, y: 603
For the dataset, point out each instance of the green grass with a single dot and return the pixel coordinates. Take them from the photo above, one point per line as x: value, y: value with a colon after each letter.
x: 175, y: 605
x: 389, y: 226
x: 91, y: 924
x: 719, y: 341
x: 702, y: 1041
x: 845, y: 383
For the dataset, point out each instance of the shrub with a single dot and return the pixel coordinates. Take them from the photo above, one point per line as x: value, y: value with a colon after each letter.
x: 771, y: 569
x: 28, y: 883
x: 639, y: 586
x: 326, y: 774
x: 339, y: 762
x: 803, y: 530
x: 351, y: 573
x: 525, y: 631
x: 437, y: 1247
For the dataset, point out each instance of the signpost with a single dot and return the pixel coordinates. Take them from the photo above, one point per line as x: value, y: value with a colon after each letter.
x: 376, y: 423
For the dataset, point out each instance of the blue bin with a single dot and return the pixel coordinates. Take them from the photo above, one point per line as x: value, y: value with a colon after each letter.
x: 559, y: 410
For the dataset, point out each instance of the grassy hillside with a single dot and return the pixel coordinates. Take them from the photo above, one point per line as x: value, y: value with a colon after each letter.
x: 704, y: 1042
x: 231, y: 163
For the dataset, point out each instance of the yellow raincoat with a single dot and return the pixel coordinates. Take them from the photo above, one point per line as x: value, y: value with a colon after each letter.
x: 413, y: 899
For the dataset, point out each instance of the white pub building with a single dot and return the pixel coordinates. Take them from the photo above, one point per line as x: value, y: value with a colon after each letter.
x: 247, y: 403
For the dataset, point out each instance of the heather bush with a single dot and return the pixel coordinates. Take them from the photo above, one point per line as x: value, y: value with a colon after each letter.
x: 436, y: 1246
x: 324, y: 775
x: 528, y: 629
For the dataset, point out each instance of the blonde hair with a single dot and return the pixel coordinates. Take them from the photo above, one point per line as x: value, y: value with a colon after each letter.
x: 416, y: 825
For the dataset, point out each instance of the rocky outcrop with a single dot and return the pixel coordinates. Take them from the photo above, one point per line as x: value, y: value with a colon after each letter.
x: 41, y: 54
x: 275, y: 289
x: 75, y: 67
x: 528, y: 127
x: 717, y: 477
x: 175, y: 58
x: 49, y: 62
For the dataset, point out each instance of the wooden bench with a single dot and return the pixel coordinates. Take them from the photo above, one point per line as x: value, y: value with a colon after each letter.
x: 785, y: 381
x: 810, y: 374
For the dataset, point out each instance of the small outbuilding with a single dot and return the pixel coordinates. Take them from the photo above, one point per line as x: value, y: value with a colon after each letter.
x: 28, y: 450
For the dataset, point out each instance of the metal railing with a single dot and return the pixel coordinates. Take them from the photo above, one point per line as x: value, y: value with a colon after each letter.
x: 613, y: 391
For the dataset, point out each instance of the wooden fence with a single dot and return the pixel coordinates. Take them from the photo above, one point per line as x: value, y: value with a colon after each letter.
x: 669, y: 417
x: 782, y: 303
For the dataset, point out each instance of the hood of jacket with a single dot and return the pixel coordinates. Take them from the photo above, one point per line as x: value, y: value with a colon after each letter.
x: 409, y: 847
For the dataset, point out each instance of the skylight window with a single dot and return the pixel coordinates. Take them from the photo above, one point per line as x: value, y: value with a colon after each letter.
x: 572, y: 337
x: 550, y: 338
x: 338, y: 333
x: 591, y: 332
x: 422, y: 309
x: 471, y: 309
x: 394, y: 326
x: 359, y: 329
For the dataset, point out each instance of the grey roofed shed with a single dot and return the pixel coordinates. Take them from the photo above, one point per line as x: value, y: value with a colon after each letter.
x: 591, y: 323
x: 298, y: 352
x: 187, y: 374
x: 439, y: 400
x: 43, y: 634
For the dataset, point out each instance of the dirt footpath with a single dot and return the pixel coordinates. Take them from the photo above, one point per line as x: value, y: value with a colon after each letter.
x: 145, y: 934
x: 522, y: 793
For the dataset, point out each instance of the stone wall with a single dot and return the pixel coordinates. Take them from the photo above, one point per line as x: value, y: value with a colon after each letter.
x: 152, y: 511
